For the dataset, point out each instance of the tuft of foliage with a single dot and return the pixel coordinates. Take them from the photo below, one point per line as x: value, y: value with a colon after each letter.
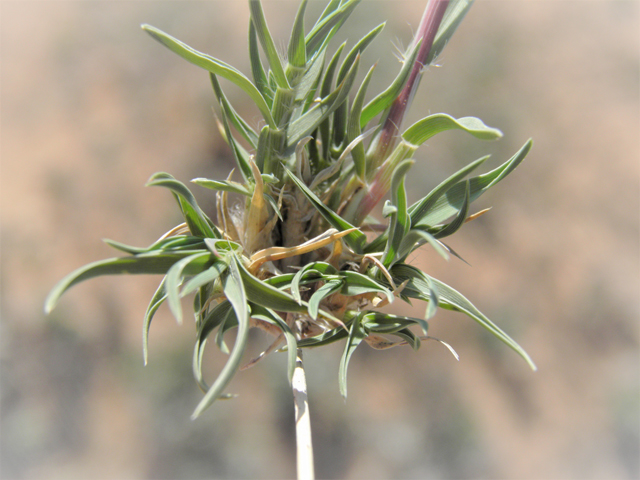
x: 301, y: 257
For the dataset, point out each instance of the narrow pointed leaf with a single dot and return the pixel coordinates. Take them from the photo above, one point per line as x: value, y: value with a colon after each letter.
x: 422, y: 207
x: 456, y: 11
x: 356, y: 335
x: 355, y: 239
x: 266, y: 40
x: 327, y: 27
x: 257, y: 70
x: 424, y: 129
x: 329, y: 288
x: 420, y: 236
x: 353, y: 127
x: 196, y: 219
x: 216, y: 317
x: 272, y: 317
x: 215, y: 66
x: 209, y: 275
x: 419, y: 287
x: 297, y: 49
x: 236, y: 120
x: 399, y: 222
x: 449, y: 204
x: 384, y: 99
x: 222, y: 185
x: 174, y: 280
x: 235, y: 293
x: 459, y: 219
x: 158, y: 298
x: 308, y: 122
x: 142, y: 265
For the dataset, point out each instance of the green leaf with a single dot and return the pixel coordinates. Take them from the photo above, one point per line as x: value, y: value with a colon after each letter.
x: 174, y: 280
x: 424, y: 129
x: 297, y: 53
x: 328, y: 26
x: 419, y: 287
x: 414, y: 236
x: 266, y: 295
x: 356, y: 335
x: 158, y: 298
x: 356, y: 51
x: 419, y: 209
x: 399, y: 223
x: 269, y: 47
x: 329, y: 288
x: 147, y: 265
x: 216, y: 317
x: 198, y: 222
x: 450, y: 203
x: 232, y: 187
x: 231, y: 115
x: 325, y: 90
x: 457, y: 222
x: 454, y: 14
x: 385, y: 323
x: 173, y: 244
x: 355, y: 239
x: 272, y: 317
x: 304, y: 125
x: 316, y: 270
x: 215, y: 66
x: 209, y: 275
x: 384, y: 99
x: 356, y: 284
x: 235, y: 293
x: 257, y: 71
x: 239, y: 153
x: 353, y: 127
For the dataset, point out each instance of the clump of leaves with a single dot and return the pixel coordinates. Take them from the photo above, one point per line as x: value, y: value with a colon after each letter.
x: 300, y: 256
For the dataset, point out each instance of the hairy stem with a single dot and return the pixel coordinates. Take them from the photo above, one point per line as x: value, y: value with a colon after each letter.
x: 304, y: 447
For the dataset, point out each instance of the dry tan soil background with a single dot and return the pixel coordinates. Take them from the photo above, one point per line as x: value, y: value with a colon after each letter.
x: 91, y: 107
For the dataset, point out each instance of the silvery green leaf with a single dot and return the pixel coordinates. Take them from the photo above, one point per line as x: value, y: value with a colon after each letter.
x: 329, y: 288
x: 457, y: 222
x: 173, y: 244
x: 355, y: 239
x: 141, y: 265
x: 399, y: 222
x: 328, y: 25
x: 419, y: 209
x: 449, y: 204
x: 272, y: 317
x: 235, y: 293
x: 257, y: 70
x: 213, y: 65
x: 158, y: 298
x: 354, y: 129
x: 232, y: 116
x: 297, y: 53
x: 222, y: 185
x: 198, y: 222
x: 174, y: 280
x: 384, y: 99
x: 215, y: 318
x: 419, y: 287
x: 209, y: 275
x: 424, y: 129
x: 266, y: 41
x: 356, y: 335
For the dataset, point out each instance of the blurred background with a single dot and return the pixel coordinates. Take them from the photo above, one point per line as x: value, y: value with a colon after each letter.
x: 91, y: 107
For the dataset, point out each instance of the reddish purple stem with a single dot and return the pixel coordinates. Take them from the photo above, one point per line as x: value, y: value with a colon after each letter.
x: 427, y: 30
